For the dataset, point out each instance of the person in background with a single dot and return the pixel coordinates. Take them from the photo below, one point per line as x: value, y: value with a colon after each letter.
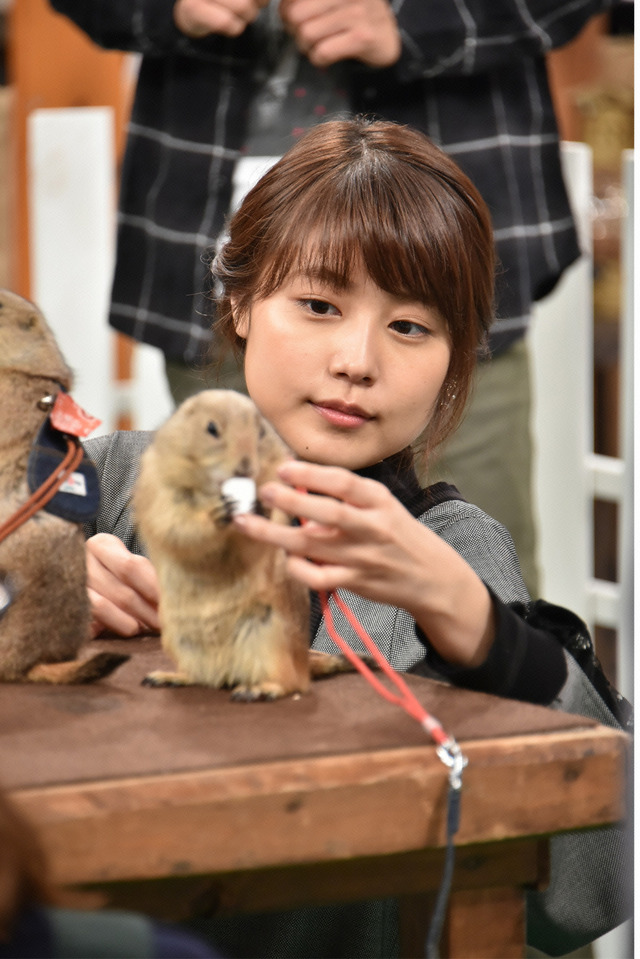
x: 222, y: 81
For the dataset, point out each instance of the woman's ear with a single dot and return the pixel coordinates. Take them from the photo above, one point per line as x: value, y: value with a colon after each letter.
x: 240, y: 319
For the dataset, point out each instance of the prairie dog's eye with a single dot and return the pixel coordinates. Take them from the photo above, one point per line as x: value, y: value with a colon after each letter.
x: 213, y: 429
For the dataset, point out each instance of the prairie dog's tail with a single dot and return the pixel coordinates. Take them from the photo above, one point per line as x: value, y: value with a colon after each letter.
x: 76, y: 671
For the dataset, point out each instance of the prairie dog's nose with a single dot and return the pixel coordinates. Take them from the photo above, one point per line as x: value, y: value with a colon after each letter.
x: 243, y: 468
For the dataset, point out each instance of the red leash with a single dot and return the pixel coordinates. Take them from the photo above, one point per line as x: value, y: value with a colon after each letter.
x: 447, y: 748
x: 406, y: 699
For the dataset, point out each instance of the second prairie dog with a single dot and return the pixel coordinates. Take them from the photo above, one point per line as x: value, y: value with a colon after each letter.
x: 230, y: 614
x: 44, y: 630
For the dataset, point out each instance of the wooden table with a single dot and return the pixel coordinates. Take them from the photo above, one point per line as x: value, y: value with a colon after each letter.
x: 179, y: 801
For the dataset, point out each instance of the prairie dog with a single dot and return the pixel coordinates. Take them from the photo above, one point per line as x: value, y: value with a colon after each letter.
x: 42, y: 563
x: 229, y: 612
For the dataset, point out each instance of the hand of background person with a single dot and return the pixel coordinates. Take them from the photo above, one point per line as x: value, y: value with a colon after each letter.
x: 122, y: 588
x: 331, y: 30
x: 199, y: 18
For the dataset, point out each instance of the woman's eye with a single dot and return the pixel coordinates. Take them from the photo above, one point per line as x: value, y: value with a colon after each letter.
x: 409, y: 328
x: 319, y: 307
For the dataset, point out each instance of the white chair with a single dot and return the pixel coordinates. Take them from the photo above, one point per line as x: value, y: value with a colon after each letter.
x: 72, y: 191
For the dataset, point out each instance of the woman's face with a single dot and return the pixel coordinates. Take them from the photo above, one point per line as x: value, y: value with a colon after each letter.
x: 346, y: 377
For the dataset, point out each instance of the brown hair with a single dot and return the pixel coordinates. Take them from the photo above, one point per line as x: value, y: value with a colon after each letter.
x: 376, y: 193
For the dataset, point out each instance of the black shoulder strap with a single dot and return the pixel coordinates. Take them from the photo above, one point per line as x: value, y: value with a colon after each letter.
x: 573, y: 634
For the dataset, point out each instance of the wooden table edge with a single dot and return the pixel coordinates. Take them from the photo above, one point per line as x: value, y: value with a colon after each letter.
x: 328, y: 808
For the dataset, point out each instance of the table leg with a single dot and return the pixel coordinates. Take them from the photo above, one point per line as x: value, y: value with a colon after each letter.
x: 480, y: 924
x: 484, y: 924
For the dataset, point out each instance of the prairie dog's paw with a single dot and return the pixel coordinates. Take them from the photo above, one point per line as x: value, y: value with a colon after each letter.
x: 158, y: 678
x: 259, y: 692
x: 328, y: 664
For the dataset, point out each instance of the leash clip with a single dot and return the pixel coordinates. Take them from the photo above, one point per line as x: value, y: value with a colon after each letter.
x: 452, y: 756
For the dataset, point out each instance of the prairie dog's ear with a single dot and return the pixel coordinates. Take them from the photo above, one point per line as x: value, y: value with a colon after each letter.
x: 240, y: 319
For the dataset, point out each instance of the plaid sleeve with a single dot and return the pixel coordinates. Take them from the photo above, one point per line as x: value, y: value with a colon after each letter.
x: 147, y: 27
x: 449, y: 37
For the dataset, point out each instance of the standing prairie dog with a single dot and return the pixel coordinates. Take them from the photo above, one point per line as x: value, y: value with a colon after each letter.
x: 230, y: 613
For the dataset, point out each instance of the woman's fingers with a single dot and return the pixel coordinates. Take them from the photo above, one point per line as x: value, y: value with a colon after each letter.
x: 122, y: 588
x: 343, y: 500
x: 108, y: 617
x: 332, y: 481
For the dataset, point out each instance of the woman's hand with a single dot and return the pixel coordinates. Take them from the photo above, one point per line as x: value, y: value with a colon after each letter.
x: 199, y: 18
x: 356, y: 535
x: 122, y: 587
x: 328, y: 31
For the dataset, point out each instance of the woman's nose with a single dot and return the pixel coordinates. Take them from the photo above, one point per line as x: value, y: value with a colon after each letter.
x: 355, y: 355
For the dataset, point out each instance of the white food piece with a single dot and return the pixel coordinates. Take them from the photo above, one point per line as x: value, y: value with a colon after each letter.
x: 241, y: 492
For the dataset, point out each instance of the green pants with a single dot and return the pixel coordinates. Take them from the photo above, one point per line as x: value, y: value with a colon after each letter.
x: 489, y: 457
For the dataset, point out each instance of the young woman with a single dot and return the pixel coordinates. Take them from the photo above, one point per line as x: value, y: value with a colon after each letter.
x: 357, y: 282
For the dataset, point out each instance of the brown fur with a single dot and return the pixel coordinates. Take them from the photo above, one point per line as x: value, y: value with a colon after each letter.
x: 230, y: 613
x: 44, y: 558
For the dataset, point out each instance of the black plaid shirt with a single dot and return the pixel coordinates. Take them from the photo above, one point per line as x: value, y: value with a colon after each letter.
x: 472, y: 76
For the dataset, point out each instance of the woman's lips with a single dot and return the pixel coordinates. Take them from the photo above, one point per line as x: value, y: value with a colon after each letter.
x: 342, y: 415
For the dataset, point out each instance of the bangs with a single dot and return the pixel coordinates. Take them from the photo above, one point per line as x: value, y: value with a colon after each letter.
x: 337, y: 224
